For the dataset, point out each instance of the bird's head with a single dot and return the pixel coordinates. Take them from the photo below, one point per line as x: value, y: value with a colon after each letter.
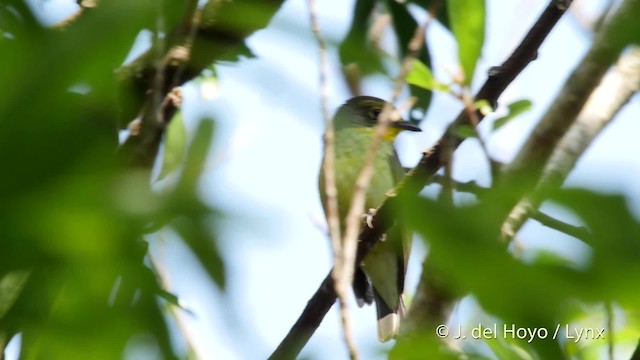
x: 364, y: 112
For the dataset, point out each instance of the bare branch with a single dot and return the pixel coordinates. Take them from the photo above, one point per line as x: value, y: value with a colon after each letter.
x: 208, y: 38
x: 524, y: 172
x: 603, y: 104
x: 342, y: 272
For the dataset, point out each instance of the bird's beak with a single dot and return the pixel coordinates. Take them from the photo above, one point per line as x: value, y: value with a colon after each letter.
x: 405, y: 125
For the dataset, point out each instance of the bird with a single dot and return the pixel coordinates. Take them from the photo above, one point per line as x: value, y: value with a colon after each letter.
x: 380, y: 277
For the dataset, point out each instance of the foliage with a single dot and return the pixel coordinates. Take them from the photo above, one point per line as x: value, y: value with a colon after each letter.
x: 76, y: 277
x: 547, y: 293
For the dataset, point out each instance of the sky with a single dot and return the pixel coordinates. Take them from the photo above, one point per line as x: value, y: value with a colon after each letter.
x: 263, y: 168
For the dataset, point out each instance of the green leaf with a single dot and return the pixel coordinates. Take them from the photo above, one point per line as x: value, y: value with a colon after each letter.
x: 421, y: 76
x: 483, y: 106
x: 505, y: 349
x: 515, y: 108
x: 466, y: 131
x: 11, y: 285
x: 547, y: 257
x: 615, y: 232
x: 356, y: 47
x: 196, y: 234
x: 174, y: 145
x: 174, y: 300
x: 238, y: 53
x: 197, y: 156
x: 464, y: 249
x: 467, y: 19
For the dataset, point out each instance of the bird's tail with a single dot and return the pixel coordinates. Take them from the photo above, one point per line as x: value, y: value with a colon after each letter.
x: 388, y: 319
x: 362, y: 288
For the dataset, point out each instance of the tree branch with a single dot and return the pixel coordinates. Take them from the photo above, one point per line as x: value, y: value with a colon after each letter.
x: 499, y: 78
x: 578, y: 232
x: 471, y: 187
x: 192, y: 47
x: 544, y: 162
x: 607, y: 99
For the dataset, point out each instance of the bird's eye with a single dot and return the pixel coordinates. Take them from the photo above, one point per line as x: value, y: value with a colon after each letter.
x: 375, y: 113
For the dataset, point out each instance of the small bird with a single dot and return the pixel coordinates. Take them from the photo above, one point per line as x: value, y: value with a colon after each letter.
x: 380, y: 276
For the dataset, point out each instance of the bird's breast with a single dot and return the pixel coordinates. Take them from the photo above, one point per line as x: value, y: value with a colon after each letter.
x: 351, y: 152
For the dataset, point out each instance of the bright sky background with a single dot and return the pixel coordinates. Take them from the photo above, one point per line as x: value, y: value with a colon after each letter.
x: 264, y: 165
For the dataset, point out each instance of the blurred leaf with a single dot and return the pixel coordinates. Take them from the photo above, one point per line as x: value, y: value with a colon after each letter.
x: 468, y: 24
x: 421, y: 76
x: 174, y: 300
x: 11, y: 285
x: 356, y: 47
x: 405, y: 27
x: 196, y: 235
x: 464, y: 238
x: 616, y: 242
x: 197, y: 156
x: 504, y: 349
x: 71, y: 215
x: 483, y: 106
x: 193, y: 224
x: 546, y: 257
x: 415, y: 345
x: 464, y: 247
x: 465, y: 131
x: 241, y: 52
x: 175, y: 145
x: 514, y: 109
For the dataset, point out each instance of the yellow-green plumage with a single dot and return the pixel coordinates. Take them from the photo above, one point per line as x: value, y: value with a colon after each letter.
x: 386, y: 263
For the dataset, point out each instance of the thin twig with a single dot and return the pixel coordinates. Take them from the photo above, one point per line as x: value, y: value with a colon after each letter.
x: 472, y: 187
x: 578, y: 232
x: 181, y: 51
x: 159, y: 45
x: 341, y: 276
x: 211, y: 41
x: 164, y: 283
